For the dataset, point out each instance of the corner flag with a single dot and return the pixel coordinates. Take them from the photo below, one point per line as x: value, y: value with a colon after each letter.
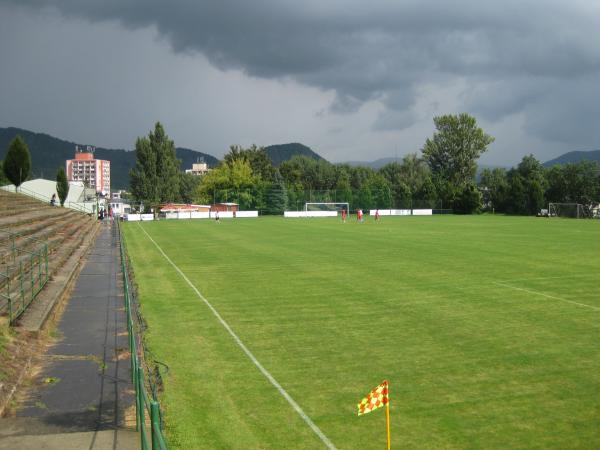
x: 377, y: 398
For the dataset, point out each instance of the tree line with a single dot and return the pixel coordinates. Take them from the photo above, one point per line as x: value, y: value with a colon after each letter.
x: 443, y: 176
x: 529, y: 187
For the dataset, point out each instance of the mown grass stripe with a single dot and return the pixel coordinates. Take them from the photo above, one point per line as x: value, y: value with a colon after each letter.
x: 245, y: 349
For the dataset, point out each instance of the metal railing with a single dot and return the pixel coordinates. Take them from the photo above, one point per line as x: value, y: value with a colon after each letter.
x: 31, y: 275
x: 145, y: 406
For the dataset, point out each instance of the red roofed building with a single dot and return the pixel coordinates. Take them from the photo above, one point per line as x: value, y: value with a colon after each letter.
x: 225, y: 207
x: 182, y: 207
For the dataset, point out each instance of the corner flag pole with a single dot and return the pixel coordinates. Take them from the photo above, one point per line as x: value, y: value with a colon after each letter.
x: 387, y: 415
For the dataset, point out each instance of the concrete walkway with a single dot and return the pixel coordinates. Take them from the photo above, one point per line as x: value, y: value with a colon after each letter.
x: 83, y: 395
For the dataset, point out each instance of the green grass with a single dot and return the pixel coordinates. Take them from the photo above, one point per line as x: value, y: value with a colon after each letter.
x: 467, y: 317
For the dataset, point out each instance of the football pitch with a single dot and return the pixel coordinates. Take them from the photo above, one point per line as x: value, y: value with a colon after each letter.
x: 486, y: 327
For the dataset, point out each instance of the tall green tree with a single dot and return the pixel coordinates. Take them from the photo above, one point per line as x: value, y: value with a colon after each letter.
x: 257, y: 157
x: 17, y: 162
x: 381, y: 192
x: 3, y: 179
x: 527, y: 185
x: 452, y: 152
x: 364, y: 198
x: 277, y: 195
x: 343, y: 190
x: 62, y: 186
x: 573, y: 183
x: 187, y: 186
x: 494, y: 185
x: 232, y: 182
x: 155, y: 178
x: 468, y: 201
x: 410, y: 182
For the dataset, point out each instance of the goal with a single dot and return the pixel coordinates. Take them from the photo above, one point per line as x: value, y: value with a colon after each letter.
x: 574, y: 210
x: 323, y: 206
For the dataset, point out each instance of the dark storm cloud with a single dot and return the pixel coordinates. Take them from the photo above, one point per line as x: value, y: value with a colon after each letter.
x: 511, y: 55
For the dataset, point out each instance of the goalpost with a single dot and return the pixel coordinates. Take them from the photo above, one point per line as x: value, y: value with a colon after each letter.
x: 574, y: 210
x: 327, y: 206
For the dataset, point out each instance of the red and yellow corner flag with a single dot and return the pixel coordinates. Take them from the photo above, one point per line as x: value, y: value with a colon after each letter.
x: 377, y: 398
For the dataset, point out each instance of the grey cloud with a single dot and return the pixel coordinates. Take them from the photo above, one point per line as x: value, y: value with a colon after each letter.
x: 282, y: 38
x: 569, y: 116
x: 395, y: 120
x: 496, y: 99
x: 383, y: 50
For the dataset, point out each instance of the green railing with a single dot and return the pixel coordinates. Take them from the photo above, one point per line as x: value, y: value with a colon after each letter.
x: 31, y: 274
x: 145, y: 406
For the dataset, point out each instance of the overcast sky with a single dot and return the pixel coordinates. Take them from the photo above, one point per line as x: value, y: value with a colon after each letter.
x: 354, y: 80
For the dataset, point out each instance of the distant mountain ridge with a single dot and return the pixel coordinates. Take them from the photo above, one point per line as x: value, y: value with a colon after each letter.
x: 283, y: 152
x: 49, y: 153
x: 570, y: 157
x: 575, y: 157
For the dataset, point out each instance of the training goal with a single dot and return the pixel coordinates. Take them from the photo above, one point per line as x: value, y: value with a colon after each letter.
x: 323, y: 206
x: 574, y: 210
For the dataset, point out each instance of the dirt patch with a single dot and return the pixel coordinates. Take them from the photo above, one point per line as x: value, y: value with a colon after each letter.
x: 17, y: 351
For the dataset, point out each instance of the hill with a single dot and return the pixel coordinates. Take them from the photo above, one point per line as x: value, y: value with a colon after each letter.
x: 49, y: 153
x: 283, y: 152
x: 574, y: 157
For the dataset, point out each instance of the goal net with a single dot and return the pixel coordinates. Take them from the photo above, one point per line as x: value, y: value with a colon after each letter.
x: 322, y: 206
x: 574, y: 210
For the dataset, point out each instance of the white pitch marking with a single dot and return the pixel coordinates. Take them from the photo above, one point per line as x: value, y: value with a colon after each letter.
x: 248, y: 353
x: 546, y: 278
x: 545, y: 295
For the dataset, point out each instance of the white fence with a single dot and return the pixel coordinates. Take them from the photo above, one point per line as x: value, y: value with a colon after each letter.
x: 193, y: 215
x: 391, y: 212
x: 402, y: 212
x: 288, y: 214
x: 422, y: 212
x: 247, y: 214
x: 138, y: 217
x: 310, y: 214
x: 187, y: 215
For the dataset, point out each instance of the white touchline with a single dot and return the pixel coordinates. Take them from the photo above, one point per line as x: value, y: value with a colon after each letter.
x: 248, y: 353
x: 575, y: 275
x: 545, y: 295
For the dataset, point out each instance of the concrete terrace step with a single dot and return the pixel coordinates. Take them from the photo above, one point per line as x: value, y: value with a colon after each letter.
x: 63, y: 268
x: 61, y: 229
x: 30, y: 216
